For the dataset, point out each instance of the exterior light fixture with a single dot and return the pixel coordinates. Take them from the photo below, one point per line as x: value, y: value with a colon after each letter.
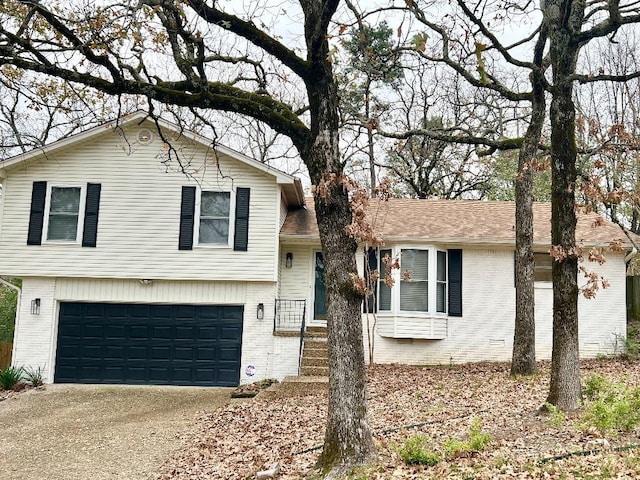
x: 289, y: 261
x: 260, y: 314
x: 145, y: 281
x: 35, y: 306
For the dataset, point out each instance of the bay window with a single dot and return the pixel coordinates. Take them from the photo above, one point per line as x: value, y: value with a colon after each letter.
x: 420, y: 285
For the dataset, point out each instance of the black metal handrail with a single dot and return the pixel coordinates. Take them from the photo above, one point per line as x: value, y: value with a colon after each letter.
x: 302, y: 331
x: 289, y: 314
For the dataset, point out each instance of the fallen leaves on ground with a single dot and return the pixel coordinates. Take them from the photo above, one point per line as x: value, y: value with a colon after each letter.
x: 440, y: 403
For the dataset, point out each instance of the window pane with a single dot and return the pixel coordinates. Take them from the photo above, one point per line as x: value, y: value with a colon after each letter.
x: 214, y: 231
x: 441, y: 297
x: 442, y: 266
x: 384, y: 292
x: 62, y: 227
x: 417, y: 261
x: 65, y: 200
x: 64, y: 206
x: 414, y: 296
x: 215, y: 204
x: 542, y: 271
x: 384, y: 300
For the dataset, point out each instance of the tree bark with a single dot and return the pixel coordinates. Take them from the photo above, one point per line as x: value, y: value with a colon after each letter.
x: 348, y: 439
x: 524, y: 335
x: 564, y: 18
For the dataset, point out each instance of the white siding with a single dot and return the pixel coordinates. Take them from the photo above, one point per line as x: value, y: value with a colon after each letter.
x: 296, y: 283
x: 35, y: 339
x: 159, y: 291
x: 139, y: 214
x: 34, y: 342
x: 485, y: 331
x: 283, y: 211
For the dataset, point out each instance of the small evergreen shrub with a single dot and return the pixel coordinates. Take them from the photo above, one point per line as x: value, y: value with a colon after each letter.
x: 556, y: 416
x: 611, y: 407
x: 477, y: 440
x: 414, y: 451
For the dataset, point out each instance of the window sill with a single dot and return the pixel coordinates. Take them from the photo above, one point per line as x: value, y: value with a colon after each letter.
x: 213, y: 246
x: 60, y: 242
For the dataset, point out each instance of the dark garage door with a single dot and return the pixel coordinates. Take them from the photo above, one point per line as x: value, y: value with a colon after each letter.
x: 149, y: 344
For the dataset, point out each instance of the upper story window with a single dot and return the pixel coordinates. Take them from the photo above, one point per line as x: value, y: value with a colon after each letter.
x: 424, y: 287
x: 214, y: 218
x: 63, y: 214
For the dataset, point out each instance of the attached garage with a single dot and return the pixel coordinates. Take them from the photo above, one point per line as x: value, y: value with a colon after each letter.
x: 149, y: 344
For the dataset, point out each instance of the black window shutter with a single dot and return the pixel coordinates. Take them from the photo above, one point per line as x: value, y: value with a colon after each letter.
x: 455, y: 283
x: 187, y: 211
x: 36, y: 216
x: 92, y: 205
x: 241, y: 235
x: 371, y: 259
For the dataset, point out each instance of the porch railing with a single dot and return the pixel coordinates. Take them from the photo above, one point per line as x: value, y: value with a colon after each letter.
x: 289, y: 315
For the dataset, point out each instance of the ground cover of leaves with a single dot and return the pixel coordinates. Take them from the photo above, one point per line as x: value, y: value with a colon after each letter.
x: 440, y: 403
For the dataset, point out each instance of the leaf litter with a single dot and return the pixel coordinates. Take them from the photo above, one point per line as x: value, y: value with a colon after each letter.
x: 440, y: 403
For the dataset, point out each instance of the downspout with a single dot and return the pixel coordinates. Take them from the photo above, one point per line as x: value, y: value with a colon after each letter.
x: 15, y: 323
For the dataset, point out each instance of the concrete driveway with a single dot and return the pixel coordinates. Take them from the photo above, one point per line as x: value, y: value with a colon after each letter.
x: 77, y: 432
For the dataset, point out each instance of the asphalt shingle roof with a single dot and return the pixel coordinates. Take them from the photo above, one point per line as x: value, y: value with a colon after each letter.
x: 456, y: 221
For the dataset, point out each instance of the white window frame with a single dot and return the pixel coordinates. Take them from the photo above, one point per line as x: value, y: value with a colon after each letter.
x: 81, y: 209
x: 396, y: 251
x: 196, y: 227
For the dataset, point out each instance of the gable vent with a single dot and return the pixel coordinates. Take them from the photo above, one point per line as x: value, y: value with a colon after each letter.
x: 145, y: 136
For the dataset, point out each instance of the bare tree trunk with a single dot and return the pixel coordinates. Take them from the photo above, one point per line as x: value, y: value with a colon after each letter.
x: 564, y: 17
x: 348, y: 439
x: 524, y: 335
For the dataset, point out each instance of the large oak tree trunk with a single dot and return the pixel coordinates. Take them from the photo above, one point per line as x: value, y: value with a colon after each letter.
x: 524, y: 336
x: 565, y: 18
x: 348, y: 439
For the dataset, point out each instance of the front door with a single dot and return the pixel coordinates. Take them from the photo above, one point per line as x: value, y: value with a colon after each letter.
x: 319, y: 294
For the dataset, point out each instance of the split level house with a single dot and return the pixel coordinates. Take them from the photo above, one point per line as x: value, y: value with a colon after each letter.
x: 139, y: 268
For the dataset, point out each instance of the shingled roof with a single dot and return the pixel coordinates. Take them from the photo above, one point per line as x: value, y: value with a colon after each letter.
x: 455, y: 222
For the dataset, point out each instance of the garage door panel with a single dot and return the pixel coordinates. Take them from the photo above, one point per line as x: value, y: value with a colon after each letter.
x: 228, y: 354
x: 229, y: 332
x: 115, y: 332
x: 116, y: 311
x: 204, y: 353
x: 149, y: 344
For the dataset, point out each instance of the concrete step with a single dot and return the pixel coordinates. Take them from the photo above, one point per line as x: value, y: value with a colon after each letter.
x: 315, y: 346
x: 314, y: 371
x: 296, y: 386
x: 315, y: 361
x: 316, y: 332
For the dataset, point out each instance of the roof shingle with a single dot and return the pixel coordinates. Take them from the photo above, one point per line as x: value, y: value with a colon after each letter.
x: 456, y: 221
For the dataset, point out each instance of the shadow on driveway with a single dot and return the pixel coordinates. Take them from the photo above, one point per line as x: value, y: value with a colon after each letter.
x: 97, y: 432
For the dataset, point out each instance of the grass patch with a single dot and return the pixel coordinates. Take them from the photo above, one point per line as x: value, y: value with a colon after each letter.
x: 10, y: 377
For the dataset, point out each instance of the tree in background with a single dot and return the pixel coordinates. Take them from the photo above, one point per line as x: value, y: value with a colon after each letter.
x: 370, y: 73
x: 8, y: 306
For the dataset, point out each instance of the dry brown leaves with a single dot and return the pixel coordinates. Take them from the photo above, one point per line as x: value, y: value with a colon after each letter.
x: 439, y: 402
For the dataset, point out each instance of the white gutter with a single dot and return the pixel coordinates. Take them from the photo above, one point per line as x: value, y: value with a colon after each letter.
x: 630, y: 255
x: 15, y: 323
